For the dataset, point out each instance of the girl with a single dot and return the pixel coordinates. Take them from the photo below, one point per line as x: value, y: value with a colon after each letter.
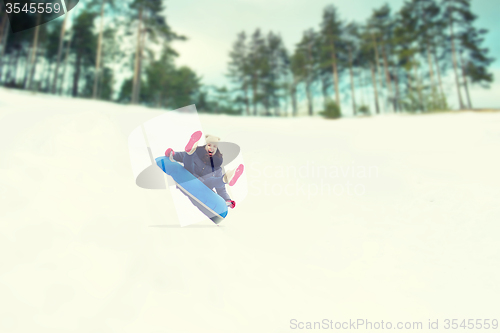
x: 205, y: 162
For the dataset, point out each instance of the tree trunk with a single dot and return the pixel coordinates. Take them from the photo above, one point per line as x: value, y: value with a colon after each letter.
x: 3, y: 36
x: 362, y: 85
x: 353, y: 96
x: 26, y: 67
x: 31, y: 85
x: 438, y: 72
x: 2, y: 27
x: 388, y: 77
x: 12, y: 63
x: 277, y: 107
x: 99, y: 84
x: 286, y: 88
x: 139, y: 79
x: 397, y: 97
x: 66, y: 58
x: 7, y: 76
x: 46, y: 78
x: 431, y: 75
x: 410, y: 89
x: 335, y: 74
x: 377, y: 61
x: 375, y: 92
x: 466, y: 85
x: 99, y: 50
x: 76, y: 75
x: 34, y: 54
x: 254, y: 94
x: 59, y: 53
x: 431, y: 70
x: 294, y: 100
x: 137, y: 74
x: 4, y: 46
x: 419, y: 88
x: 247, y: 104
x: 265, y: 101
x: 308, y: 81
x: 16, y: 65
x: 455, y: 70
x: 324, y: 90
x: 309, y: 98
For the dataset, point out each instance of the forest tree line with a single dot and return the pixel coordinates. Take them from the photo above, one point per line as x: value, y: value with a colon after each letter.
x: 395, y: 61
x: 106, y: 49
x: 401, y: 58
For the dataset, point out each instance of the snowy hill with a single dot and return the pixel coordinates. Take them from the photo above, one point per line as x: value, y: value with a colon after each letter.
x: 391, y: 218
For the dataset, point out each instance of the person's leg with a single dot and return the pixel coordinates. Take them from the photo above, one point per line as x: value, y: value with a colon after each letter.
x: 219, y: 185
x: 193, y: 142
x: 214, y: 182
x: 190, y: 149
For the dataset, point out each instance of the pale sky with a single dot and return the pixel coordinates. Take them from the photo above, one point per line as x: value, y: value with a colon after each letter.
x: 212, y: 26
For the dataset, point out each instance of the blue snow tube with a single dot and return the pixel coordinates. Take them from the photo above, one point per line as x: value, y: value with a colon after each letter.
x: 209, y: 202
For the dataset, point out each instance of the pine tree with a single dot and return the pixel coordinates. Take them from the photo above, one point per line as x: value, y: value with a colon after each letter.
x: 110, y: 54
x: 331, y: 32
x: 151, y: 24
x: 97, y: 71
x: 62, y: 36
x: 351, y: 39
x: 238, y: 69
x: 456, y: 14
x: 423, y: 23
x: 274, y: 71
x: 381, y: 27
x: 4, y: 35
x: 407, y: 50
x: 256, y: 63
x: 34, y: 54
x: 367, y: 61
x: 3, y: 25
x: 429, y: 14
x: 305, y: 64
x: 84, y: 46
x: 474, y: 59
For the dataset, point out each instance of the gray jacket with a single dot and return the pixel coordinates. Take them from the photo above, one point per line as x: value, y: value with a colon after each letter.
x: 207, y: 170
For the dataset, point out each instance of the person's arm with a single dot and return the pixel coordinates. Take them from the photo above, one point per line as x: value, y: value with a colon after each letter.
x: 223, y: 193
x: 179, y: 156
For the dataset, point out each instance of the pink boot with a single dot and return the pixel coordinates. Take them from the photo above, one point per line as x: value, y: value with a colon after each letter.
x: 193, y: 143
x: 232, y: 176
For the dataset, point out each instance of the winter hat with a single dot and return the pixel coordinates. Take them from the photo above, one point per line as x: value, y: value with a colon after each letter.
x: 211, y: 139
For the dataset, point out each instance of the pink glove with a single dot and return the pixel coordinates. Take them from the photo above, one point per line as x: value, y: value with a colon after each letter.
x: 230, y: 203
x: 168, y: 151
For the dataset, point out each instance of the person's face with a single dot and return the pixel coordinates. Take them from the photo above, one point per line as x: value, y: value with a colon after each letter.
x: 211, y: 149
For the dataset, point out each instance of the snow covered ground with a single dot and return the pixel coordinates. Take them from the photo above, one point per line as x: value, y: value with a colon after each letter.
x: 392, y: 218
